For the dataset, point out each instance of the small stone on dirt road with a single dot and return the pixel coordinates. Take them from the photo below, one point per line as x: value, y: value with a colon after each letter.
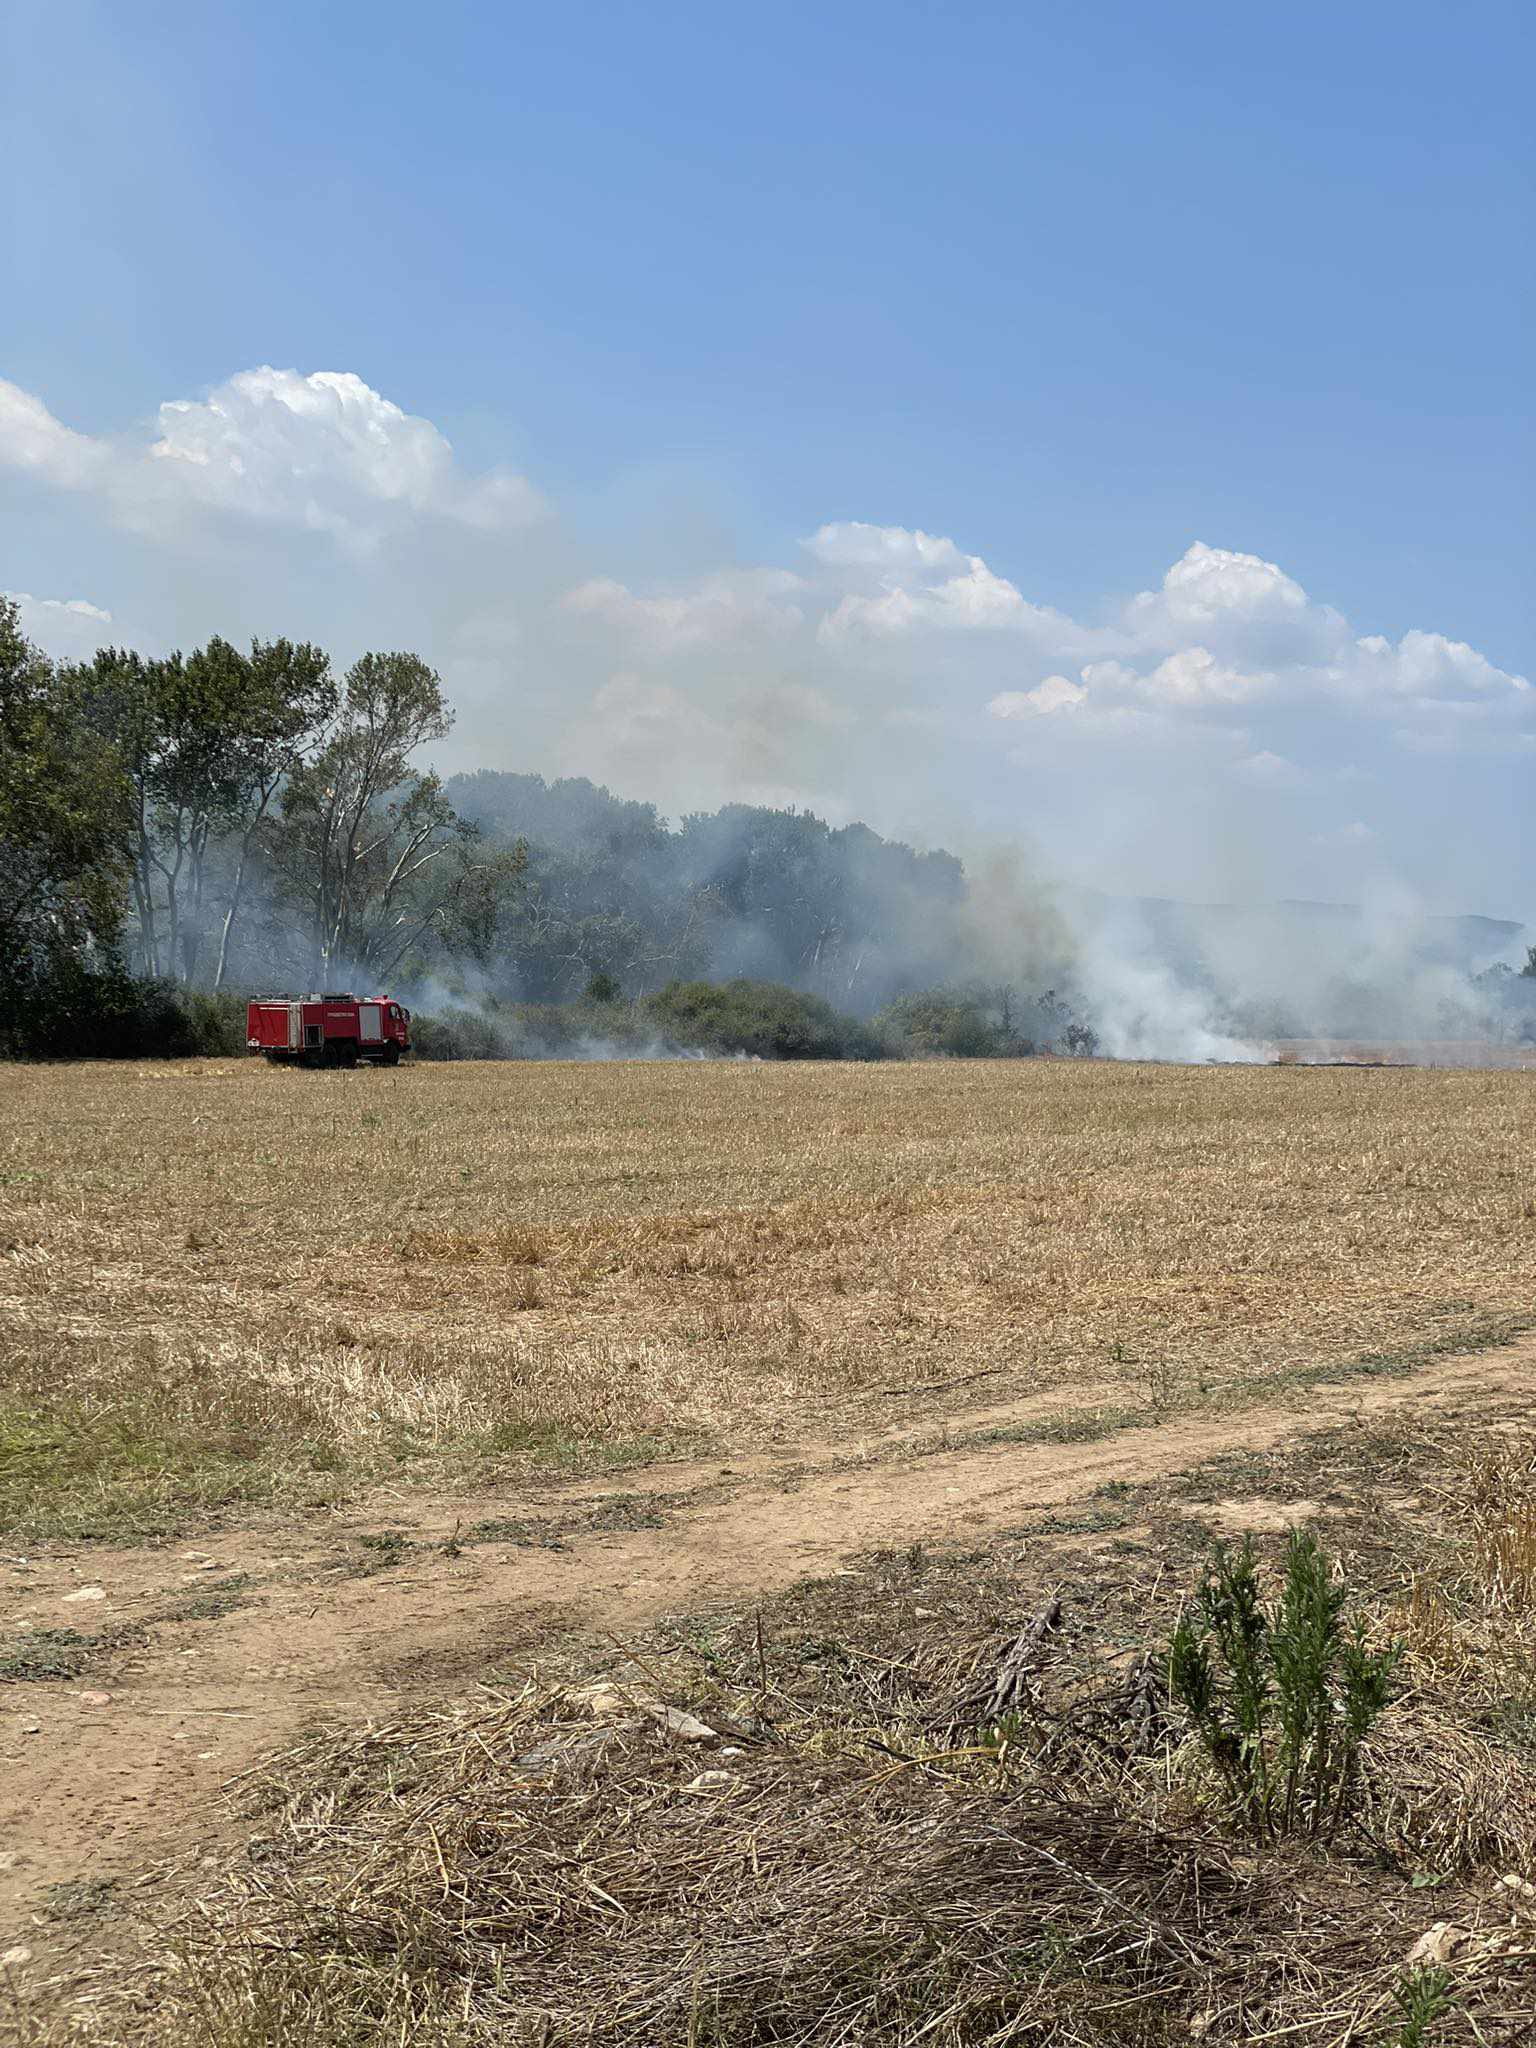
x: 13, y: 1958
x: 85, y: 1593
x: 94, y: 1699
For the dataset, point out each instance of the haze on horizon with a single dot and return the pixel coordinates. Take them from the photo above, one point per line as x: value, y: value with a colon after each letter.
x: 1106, y: 436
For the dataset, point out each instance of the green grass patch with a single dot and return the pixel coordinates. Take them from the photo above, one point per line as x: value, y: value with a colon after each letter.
x: 52, y: 1653
x: 82, y: 1473
x: 561, y: 1447
x: 79, y: 1898
x: 380, y: 1553
x: 620, y: 1513
x: 211, y: 1601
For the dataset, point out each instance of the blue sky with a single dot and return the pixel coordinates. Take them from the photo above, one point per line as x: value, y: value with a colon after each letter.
x: 1073, y: 289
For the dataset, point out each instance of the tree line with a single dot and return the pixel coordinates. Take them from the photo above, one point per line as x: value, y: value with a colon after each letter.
x: 222, y: 816
x: 181, y: 831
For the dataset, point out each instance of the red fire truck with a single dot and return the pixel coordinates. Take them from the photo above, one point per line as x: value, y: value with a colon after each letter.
x: 329, y: 1030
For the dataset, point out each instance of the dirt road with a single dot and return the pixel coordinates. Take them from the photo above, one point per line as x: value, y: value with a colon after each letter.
x: 354, y: 1617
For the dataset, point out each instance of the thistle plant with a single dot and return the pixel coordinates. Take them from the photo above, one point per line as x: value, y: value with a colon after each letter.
x: 1282, y: 1697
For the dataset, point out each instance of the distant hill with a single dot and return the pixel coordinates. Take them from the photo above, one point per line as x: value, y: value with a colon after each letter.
x: 1467, y: 942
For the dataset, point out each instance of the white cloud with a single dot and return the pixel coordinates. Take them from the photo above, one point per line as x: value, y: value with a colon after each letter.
x: 323, y: 453
x: 900, y: 551
x: 1056, y: 693
x: 1429, y: 667
x: 1355, y: 833
x: 1192, y: 679
x: 1194, y: 676
x: 1208, y: 584
x: 894, y: 618
x: 905, y: 581
x: 864, y: 656
x: 1265, y: 770
x: 69, y: 627
x: 723, y: 608
x: 1454, y: 696
x: 32, y: 439
x: 49, y: 608
x: 1243, y: 609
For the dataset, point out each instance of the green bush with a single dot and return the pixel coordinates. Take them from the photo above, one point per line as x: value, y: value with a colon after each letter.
x: 946, y: 1023
x: 215, y: 1023
x: 459, y: 1034
x: 1283, y: 1697
x: 984, y: 1023
x: 751, y: 1017
x: 762, y: 1018
x: 70, y: 1008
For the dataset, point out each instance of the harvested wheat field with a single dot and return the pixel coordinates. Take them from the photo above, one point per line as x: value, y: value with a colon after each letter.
x: 494, y: 1552
x: 225, y: 1284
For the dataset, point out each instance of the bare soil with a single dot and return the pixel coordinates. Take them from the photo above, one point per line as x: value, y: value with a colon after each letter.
x: 198, y: 1660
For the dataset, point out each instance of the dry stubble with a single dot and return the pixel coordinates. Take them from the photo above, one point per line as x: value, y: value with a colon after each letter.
x: 220, y: 1281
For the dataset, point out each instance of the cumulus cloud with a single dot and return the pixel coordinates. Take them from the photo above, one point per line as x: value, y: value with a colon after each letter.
x: 32, y: 439
x: 871, y: 664
x: 1209, y: 584
x: 723, y: 608
x: 1428, y: 667
x: 918, y: 633
x: 1056, y: 693
x: 1266, y: 770
x: 47, y: 610
x: 905, y: 581
x: 68, y: 627
x: 1229, y: 633
x: 323, y: 453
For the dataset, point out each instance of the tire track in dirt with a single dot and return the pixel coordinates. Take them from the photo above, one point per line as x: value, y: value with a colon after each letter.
x: 94, y: 1791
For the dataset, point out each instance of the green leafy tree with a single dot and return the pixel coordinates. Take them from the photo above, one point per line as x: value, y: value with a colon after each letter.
x: 286, y: 698
x: 120, y: 692
x: 64, y: 827
x: 206, y: 741
x: 369, y: 845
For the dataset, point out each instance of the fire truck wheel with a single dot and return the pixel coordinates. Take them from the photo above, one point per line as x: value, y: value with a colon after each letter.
x: 391, y: 1056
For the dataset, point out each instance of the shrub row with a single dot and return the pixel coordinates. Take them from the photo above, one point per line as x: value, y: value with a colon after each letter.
x: 78, y: 1011
x: 754, y: 1018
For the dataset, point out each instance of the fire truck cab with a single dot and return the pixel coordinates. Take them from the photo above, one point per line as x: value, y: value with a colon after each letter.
x: 328, y: 1030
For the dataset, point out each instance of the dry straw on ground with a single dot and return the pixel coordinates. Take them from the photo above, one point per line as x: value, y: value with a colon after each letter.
x: 831, y: 1849
x: 220, y: 1281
